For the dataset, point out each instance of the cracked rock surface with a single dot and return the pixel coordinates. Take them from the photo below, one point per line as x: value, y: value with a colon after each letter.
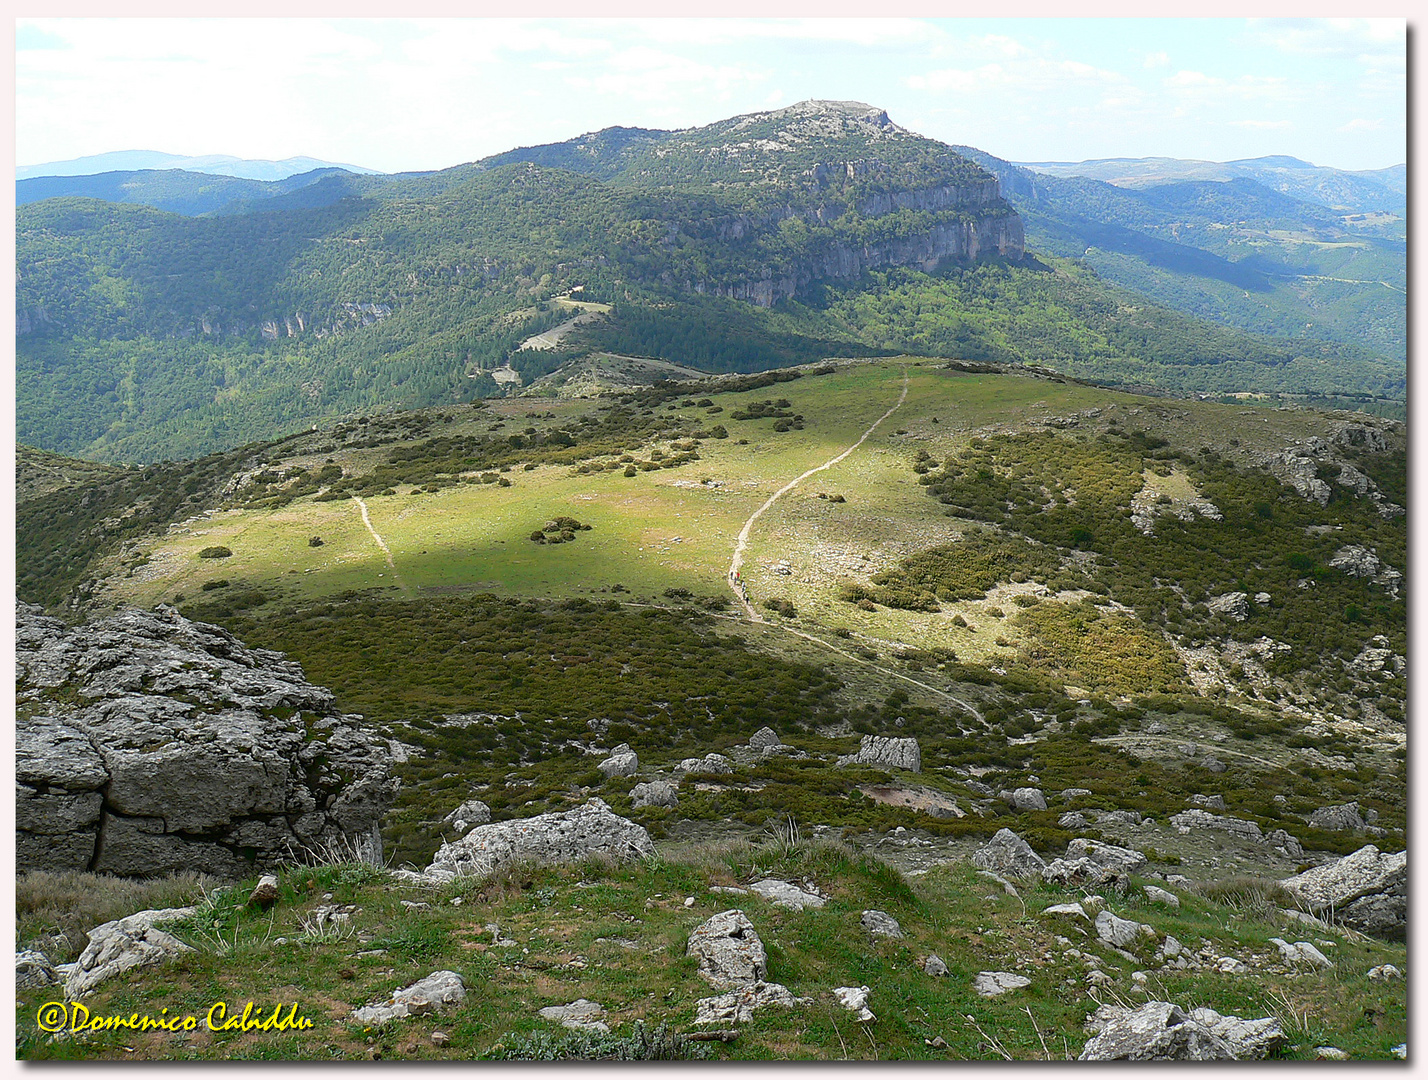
x: 147, y: 743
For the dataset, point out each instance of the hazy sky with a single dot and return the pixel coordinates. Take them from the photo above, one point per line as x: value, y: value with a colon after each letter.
x: 423, y: 94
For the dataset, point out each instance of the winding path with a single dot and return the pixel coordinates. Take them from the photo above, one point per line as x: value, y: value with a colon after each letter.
x: 367, y: 521
x: 743, y: 542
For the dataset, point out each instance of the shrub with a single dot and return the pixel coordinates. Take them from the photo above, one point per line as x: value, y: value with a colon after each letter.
x: 209, y: 586
x: 218, y: 551
x: 315, y: 541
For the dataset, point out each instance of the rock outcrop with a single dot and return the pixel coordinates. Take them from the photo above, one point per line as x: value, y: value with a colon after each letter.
x: 729, y: 950
x: 439, y: 990
x: 1366, y: 890
x: 147, y: 743
x: 590, y: 829
x: 1161, y: 1031
x: 886, y: 752
x: 471, y: 812
x: 654, y: 793
x: 1007, y: 853
x: 134, y: 941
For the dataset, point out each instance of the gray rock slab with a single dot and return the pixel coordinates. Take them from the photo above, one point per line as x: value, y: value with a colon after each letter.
x: 785, y: 894
x: 995, y: 983
x: 1008, y: 854
x: 880, y: 924
x: 729, y: 950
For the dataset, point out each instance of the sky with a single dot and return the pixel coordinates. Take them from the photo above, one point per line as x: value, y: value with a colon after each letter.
x: 399, y: 94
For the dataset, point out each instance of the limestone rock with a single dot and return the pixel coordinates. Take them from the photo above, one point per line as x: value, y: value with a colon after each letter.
x: 265, y: 893
x: 33, y: 970
x: 717, y: 764
x: 183, y: 750
x: 763, y: 738
x: 1157, y: 895
x: 1199, y: 819
x: 1125, y: 860
x: 556, y: 837
x: 855, y: 1000
x: 787, y: 895
x: 1384, y: 972
x: 1330, y: 1053
x: 1361, y: 437
x: 890, y: 753
x: 1075, y: 911
x: 1024, y: 798
x: 1337, y: 818
x: 880, y: 924
x: 995, y: 983
x: 1118, y: 817
x: 622, y: 762
x: 738, y: 1006
x: 935, y: 967
x: 1123, y: 933
x: 1156, y: 1031
x: 1233, y: 606
x: 134, y: 941
x: 654, y: 793
x: 471, y: 812
x: 1284, y: 842
x: 1072, y: 819
x: 1367, y: 890
x: 1007, y: 853
x: 439, y: 990
x: 1301, y: 952
x: 729, y: 949
x: 1074, y: 793
x: 1085, y: 873
x: 579, y: 1015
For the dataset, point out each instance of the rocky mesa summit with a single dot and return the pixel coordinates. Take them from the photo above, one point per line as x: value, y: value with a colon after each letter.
x: 147, y: 743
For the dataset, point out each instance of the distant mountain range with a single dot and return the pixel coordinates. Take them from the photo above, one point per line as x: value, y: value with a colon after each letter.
x: 1366, y: 191
x: 214, y: 164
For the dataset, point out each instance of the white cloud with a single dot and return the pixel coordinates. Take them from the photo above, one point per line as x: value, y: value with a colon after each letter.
x: 1156, y: 60
x: 1360, y: 124
x: 1262, y: 125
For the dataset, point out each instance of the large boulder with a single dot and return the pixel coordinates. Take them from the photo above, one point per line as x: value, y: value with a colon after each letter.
x: 729, y: 949
x: 1024, y: 798
x: 1342, y: 818
x: 439, y: 990
x: 1200, y: 819
x: 786, y: 895
x: 471, y: 812
x: 1233, y: 606
x: 1366, y: 890
x: 1125, y: 860
x: 114, y: 948
x: 147, y: 743
x: 739, y: 1004
x: 1007, y: 853
x: 887, y: 752
x: 590, y: 829
x: 622, y: 762
x: 1161, y: 1031
x: 654, y: 793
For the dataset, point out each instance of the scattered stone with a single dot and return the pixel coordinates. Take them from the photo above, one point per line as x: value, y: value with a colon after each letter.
x: 716, y: 764
x: 440, y: 1038
x: 1262, y: 598
x: 1118, y: 817
x: 729, y: 950
x: 171, y: 741
x: 1301, y: 952
x: 880, y: 924
x: 889, y: 753
x: 1171, y: 946
x: 1121, y: 932
x: 995, y: 983
x: 114, y: 948
x: 784, y: 894
x: 1251, y: 1040
x: 1072, y: 819
x: 1337, y: 818
x: 739, y: 1005
x: 265, y: 893
x: 557, y: 837
x: 1074, y: 793
x: 1158, y: 895
x: 855, y: 1000
x: 470, y: 813
x: 1213, y: 764
x: 33, y: 970
x: 654, y: 793
x: 1288, y: 845
x: 1007, y: 853
x: 763, y: 738
x: 1075, y: 911
x: 1329, y: 1053
x: 1125, y: 860
x: 731, y: 890
x: 1400, y: 1051
x: 1229, y: 965
x: 1384, y: 972
x: 579, y: 1015
x: 440, y: 989
x: 937, y: 1042
x: 935, y: 967
x: 1024, y: 798
x: 622, y: 762
x: 1367, y: 890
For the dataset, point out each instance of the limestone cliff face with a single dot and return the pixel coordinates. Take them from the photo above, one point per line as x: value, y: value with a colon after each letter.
x: 960, y: 223
x: 147, y: 743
